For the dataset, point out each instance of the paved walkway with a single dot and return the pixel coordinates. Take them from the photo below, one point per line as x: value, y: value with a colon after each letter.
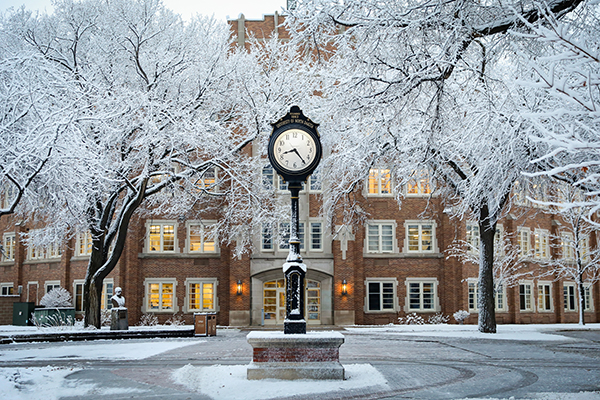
x: 415, y: 367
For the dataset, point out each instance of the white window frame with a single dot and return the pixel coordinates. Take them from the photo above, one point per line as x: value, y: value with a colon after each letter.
x: 284, y: 236
x: 529, y: 296
x: 84, y: 241
x: 376, y: 174
x: 472, y: 283
x: 162, y: 224
x: 473, y: 237
x: 105, y: 303
x: 380, y: 224
x: 7, y: 287
x: 381, y: 281
x: 9, y: 192
x: 421, y: 281
x: 206, y: 183
x: 566, y: 245
x: 267, y: 236
x: 589, y: 297
x: 201, y: 282
x: 542, y: 295
x: 55, y: 284
x: 420, y: 223
x: 268, y: 176
x: 160, y: 282
x: 9, y: 246
x: 205, y: 228
x: 524, y: 242
x: 541, y: 244
x: 499, y: 241
x: 584, y: 247
x: 572, y: 287
x: 312, y: 236
x: 78, y: 282
x: 422, y: 181
x: 315, y: 182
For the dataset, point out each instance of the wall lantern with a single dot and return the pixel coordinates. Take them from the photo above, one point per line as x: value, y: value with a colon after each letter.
x: 344, y: 287
x: 239, y: 287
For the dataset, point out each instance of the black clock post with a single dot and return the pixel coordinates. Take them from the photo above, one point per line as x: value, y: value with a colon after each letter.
x: 294, y: 152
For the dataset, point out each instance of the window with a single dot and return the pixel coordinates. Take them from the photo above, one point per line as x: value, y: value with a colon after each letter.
x: 587, y: 297
x: 570, y: 298
x: 54, y: 250
x: 51, y: 285
x: 418, y: 185
x: 544, y: 296
x: 499, y: 241
x: 160, y: 295
x: 8, y: 195
x: 84, y: 244
x: 6, y: 289
x: 473, y: 238
x: 473, y: 295
x: 315, y: 184
x: 381, y: 294
x: 525, y: 296
x: 420, y: 237
x: 8, y: 247
x: 472, y: 299
x: 379, y: 182
x: 268, y: 177
x: 201, y: 237
x: 566, y: 244
x: 422, y: 295
x: 266, y: 238
x: 381, y: 236
x: 284, y: 235
x: 161, y: 236
x: 208, y: 180
x: 584, y: 246
x: 541, y: 244
x: 316, y: 236
x: 201, y: 294
x: 78, y: 295
x: 524, y: 242
x: 107, y: 292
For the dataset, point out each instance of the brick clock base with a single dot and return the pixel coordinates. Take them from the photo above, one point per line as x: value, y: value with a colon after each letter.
x: 314, y: 355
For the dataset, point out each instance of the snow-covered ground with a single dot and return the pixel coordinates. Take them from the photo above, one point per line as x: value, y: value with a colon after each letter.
x: 543, y: 332
x: 221, y: 381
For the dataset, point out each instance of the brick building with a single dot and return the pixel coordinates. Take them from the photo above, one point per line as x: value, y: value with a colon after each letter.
x: 393, y: 265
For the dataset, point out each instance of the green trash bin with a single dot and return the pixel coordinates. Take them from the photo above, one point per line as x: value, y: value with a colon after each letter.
x: 22, y: 313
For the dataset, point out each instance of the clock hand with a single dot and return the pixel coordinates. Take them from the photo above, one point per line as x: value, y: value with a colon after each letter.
x: 298, y: 154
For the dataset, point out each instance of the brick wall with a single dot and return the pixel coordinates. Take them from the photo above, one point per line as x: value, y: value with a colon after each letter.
x: 6, y: 309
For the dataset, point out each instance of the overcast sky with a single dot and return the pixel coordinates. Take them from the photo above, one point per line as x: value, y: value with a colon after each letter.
x: 252, y: 9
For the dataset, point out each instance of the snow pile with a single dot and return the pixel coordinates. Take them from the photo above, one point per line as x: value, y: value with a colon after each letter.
x: 112, y: 351
x: 47, y: 383
x: 229, y: 382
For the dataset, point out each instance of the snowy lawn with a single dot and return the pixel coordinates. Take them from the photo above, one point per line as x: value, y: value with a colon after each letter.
x: 229, y: 382
x: 542, y: 332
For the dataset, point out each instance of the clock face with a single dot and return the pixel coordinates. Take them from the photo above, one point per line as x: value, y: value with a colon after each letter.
x: 294, y: 150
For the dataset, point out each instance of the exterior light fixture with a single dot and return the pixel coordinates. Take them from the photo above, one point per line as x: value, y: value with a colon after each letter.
x: 344, y: 287
x: 239, y: 287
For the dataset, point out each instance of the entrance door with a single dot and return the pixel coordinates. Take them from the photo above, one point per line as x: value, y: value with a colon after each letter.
x: 274, y: 302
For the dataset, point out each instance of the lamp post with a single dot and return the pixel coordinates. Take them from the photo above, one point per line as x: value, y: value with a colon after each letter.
x: 294, y: 152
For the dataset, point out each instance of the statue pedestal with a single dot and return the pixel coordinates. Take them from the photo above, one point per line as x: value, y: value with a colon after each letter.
x: 118, y: 319
x: 312, y: 355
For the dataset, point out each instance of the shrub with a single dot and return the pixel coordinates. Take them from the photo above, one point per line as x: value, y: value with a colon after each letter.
x: 58, y: 297
x: 411, y: 319
x: 105, y: 316
x: 55, y: 321
x: 148, y: 320
x: 438, y: 319
x: 175, y: 320
x: 461, y: 315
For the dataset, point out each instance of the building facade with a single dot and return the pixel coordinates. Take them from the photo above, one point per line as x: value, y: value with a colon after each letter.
x: 395, y: 264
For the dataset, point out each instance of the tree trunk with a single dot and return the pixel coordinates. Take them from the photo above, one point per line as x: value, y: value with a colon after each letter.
x: 94, y: 302
x: 485, y: 298
x: 581, y: 294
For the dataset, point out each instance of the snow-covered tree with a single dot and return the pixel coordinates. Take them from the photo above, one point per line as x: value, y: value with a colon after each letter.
x: 567, y: 71
x: 167, y: 120
x: 424, y: 85
x: 37, y: 108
